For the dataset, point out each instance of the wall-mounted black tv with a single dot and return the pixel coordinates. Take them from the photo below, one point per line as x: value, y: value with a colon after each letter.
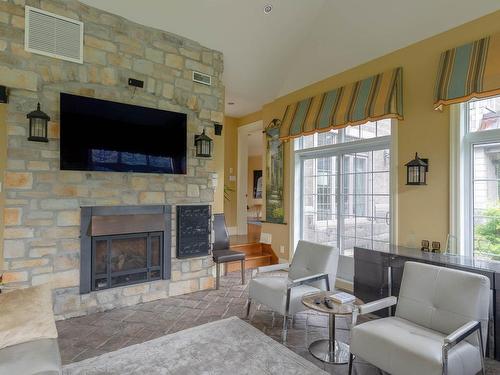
x: 99, y: 135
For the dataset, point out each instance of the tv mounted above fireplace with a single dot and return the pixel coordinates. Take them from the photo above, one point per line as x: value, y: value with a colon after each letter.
x: 100, y: 135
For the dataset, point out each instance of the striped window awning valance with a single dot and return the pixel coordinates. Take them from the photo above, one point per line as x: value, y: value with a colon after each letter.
x: 469, y: 71
x: 371, y: 99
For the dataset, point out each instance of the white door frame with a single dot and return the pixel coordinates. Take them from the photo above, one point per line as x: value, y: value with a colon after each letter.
x: 242, y: 179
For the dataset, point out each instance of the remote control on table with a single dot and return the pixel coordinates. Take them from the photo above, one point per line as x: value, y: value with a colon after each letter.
x: 328, y: 303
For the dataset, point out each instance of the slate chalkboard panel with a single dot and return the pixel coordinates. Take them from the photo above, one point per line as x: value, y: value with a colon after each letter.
x: 193, y: 231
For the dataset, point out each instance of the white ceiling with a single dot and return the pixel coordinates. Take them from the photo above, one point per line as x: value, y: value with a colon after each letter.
x: 300, y: 41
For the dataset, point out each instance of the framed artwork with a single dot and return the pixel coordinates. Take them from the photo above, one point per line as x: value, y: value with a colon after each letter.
x: 275, y: 212
x: 257, y: 184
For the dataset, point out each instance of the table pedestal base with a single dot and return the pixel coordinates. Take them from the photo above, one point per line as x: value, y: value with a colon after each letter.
x: 335, y: 352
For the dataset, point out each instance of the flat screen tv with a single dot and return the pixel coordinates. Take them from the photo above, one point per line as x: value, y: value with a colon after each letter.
x: 99, y: 135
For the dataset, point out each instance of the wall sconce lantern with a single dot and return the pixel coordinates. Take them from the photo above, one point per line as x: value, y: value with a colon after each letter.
x: 416, y: 171
x: 203, y: 145
x: 38, y: 125
x: 218, y: 129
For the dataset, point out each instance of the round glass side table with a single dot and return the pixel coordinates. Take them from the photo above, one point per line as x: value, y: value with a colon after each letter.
x: 330, y: 350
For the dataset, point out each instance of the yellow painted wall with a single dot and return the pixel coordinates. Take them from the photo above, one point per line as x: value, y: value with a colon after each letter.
x: 3, y: 166
x: 423, y: 211
x: 230, y: 168
x: 219, y: 154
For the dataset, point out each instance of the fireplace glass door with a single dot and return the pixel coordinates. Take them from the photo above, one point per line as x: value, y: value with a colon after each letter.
x: 126, y: 259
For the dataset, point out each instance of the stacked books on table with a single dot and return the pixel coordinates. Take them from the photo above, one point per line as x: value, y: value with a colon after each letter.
x: 342, y: 297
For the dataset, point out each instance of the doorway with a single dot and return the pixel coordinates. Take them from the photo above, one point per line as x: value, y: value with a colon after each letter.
x: 250, y: 180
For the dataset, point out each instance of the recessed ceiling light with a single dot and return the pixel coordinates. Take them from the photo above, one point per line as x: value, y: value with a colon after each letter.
x: 268, y: 8
x: 230, y: 103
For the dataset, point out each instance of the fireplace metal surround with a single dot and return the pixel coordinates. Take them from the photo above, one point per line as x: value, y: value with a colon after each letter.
x: 148, y: 226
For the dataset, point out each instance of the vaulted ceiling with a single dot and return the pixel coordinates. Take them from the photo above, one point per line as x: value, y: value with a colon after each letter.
x: 300, y: 41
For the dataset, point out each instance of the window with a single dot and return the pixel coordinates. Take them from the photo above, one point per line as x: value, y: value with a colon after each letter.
x: 344, y: 187
x: 479, y: 162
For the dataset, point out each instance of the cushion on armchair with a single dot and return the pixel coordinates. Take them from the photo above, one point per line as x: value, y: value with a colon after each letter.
x: 26, y: 315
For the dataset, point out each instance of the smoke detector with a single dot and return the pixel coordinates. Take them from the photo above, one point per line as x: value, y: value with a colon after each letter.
x: 268, y: 8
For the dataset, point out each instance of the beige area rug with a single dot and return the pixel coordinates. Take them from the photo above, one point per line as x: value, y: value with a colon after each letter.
x: 227, y: 347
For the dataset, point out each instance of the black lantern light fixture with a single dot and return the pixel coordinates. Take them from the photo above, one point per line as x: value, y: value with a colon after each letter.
x: 38, y: 125
x: 218, y: 129
x: 203, y: 145
x: 416, y: 171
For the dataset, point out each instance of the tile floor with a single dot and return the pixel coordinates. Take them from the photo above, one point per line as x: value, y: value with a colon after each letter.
x: 95, y: 334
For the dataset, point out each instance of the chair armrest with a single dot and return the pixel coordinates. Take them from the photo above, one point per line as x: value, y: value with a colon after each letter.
x: 462, y: 333
x: 377, y: 305
x: 307, y: 279
x: 273, y: 267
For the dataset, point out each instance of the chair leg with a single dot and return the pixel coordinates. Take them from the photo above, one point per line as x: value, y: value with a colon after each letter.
x: 243, y: 272
x: 217, y: 275
x: 481, y: 349
x: 351, y: 359
x: 249, y: 304
x: 285, y: 328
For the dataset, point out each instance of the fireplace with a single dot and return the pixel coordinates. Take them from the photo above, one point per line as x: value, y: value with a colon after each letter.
x: 126, y: 259
x: 124, y: 245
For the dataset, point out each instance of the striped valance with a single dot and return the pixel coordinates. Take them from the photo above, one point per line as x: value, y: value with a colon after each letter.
x: 469, y: 71
x: 371, y: 99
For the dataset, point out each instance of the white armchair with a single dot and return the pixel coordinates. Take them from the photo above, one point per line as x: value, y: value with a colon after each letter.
x: 313, y: 268
x: 440, y: 325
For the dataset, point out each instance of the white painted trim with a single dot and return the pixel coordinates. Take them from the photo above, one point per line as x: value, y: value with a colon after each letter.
x: 242, y: 179
x: 457, y: 204
x: 394, y: 182
x: 232, y: 231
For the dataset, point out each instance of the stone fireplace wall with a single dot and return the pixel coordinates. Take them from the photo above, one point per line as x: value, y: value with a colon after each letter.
x: 42, y: 214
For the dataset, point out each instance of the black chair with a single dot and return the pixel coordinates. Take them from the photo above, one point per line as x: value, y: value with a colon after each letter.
x: 221, y: 252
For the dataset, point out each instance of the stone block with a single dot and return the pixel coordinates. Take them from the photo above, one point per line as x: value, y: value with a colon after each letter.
x: 64, y: 279
x: 168, y: 90
x: 143, y: 66
x: 154, y: 55
x: 13, y: 233
x: 14, y: 249
x: 139, y: 183
x: 185, y: 266
x: 136, y: 290
x: 68, y: 218
x: 196, y: 264
x: 102, y: 44
x: 94, y: 56
x: 36, y: 165
x: 66, y: 262
x: 153, y: 296
x: 195, y: 55
x: 59, y: 204
x: 207, y: 282
x: 12, y: 216
x: 183, y: 287
x: 174, y: 61
x: 3, y: 45
x: 18, y: 180
x: 152, y: 197
x: 18, y: 79
x: 70, y: 177
x: 193, y: 190
x: 38, y: 252
x: 15, y: 277
x: 18, y: 22
x: 109, y: 77
x: 28, y: 263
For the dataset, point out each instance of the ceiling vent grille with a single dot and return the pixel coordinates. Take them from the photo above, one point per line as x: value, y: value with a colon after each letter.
x: 52, y: 35
x: 202, y: 78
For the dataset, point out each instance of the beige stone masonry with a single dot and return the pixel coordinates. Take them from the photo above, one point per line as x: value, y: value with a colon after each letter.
x: 42, y: 203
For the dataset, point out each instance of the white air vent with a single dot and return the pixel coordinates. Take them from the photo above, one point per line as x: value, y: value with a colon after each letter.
x: 202, y: 78
x: 53, y: 35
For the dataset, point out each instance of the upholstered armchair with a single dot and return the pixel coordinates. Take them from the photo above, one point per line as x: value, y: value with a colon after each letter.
x: 440, y: 324
x: 313, y: 268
